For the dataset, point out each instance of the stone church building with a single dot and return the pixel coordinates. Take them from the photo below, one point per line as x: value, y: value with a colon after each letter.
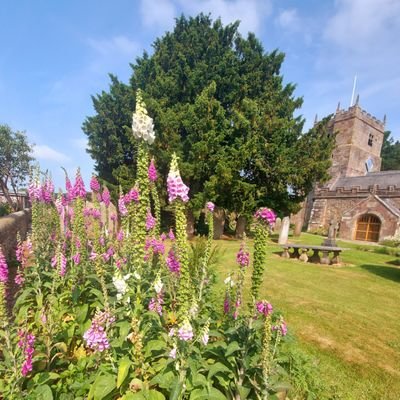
x: 364, y: 200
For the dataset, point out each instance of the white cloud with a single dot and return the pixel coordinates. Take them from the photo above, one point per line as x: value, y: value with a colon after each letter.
x: 358, y: 24
x: 288, y: 19
x: 80, y: 143
x: 360, y: 38
x: 375, y: 88
x: 158, y: 14
x: 251, y: 13
x: 117, y: 44
x: 45, y: 152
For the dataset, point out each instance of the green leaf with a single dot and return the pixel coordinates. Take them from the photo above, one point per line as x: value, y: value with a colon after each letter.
x: 39, y: 300
x: 134, y: 396
x: 155, y: 395
x: 176, y: 390
x: 23, y: 312
x: 232, y: 348
x: 81, y: 313
x: 22, y: 297
x: 66, y: 396
x: 43, y: 392
x: 76, y: 292
x: 45, y: 377
x: 124, y: 328
x: 2, y: 386
x: 102, y: 386
x: 123, y: 369
x: 98, y: 294
x: 216, y: 368
x: 243, y: 391
x: 199, y: 380
x: 204, y: 394
x: 165, y: 378
x: 61, y: 346
x: 154, y: 345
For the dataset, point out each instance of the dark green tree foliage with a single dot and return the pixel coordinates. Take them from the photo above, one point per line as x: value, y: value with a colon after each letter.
x: 110, y: 134
x: 15, y: 159
x: 219, y: 101
x: 390, y: 153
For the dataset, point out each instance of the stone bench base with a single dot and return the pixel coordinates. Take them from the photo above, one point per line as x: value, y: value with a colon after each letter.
x: 321, y: 254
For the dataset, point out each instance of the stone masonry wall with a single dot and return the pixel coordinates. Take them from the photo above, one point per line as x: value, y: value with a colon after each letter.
x: 334, y: 204
x: 353, y: 128
x: 337, y: 207
x: 9, y: 226
x: 389, y: 223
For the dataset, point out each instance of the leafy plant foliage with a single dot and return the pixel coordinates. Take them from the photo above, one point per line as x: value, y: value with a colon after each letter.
x: 111, y: 309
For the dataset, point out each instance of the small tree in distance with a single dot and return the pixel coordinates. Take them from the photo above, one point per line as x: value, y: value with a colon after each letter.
x: 15, y: 161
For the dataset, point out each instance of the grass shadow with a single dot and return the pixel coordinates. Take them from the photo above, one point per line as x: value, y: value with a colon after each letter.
x: 391, y: 273
x: 394, y: 262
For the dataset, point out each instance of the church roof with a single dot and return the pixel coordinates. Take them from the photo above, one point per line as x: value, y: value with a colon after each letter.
x: 391, y: 206
x: 383, y: 179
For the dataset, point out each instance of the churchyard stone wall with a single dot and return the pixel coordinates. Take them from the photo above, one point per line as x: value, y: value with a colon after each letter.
x: 10, y: 225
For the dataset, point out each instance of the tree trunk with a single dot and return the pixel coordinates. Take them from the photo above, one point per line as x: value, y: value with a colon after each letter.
x: 219, y: 222
x: 240, y: 226
x: 190, y: 224
x: 299, y: 220
x: 6, y: 194
x: 17, y: 198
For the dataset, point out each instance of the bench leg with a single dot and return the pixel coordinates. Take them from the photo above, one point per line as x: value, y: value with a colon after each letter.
x: 285, y: 253
x: 325, y: 257
x: 304, y: 256
x: 295, y: 253
x: 315, y: 258
x: 336, y: 257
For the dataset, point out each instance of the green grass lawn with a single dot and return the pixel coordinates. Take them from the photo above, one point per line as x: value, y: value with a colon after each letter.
x: 348, y: 317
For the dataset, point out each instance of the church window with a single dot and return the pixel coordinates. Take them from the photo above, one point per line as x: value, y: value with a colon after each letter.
x: 370, y: 139
x: 369, y: 164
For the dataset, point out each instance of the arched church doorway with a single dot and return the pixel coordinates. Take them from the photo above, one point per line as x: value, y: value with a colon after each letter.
x: 368, y: 227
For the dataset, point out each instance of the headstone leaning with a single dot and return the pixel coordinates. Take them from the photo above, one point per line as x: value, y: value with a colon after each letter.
x: 283, y: 236
x: 278, y: 225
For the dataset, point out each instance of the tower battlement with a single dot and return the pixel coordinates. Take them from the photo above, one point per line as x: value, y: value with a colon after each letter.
x: 356, y: 111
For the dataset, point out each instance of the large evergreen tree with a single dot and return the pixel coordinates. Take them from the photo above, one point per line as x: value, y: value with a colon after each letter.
x: 218, y: 100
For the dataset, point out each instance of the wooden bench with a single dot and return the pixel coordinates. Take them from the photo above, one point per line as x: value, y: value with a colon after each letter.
x: 300, y: 251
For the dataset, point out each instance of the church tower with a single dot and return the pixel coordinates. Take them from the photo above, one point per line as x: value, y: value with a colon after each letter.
x: 359, y: 138
x: 355, y: 170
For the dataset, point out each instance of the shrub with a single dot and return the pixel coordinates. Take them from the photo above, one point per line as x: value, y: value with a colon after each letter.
x: 5, y: 209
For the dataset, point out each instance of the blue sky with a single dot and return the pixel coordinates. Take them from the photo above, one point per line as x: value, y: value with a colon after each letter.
x: 56, y: 54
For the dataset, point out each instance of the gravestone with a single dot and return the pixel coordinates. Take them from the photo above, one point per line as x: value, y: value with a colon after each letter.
x: 278, y: 225
x: 298, y: 227
x: 332, y: 231
x: 283, y: 235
